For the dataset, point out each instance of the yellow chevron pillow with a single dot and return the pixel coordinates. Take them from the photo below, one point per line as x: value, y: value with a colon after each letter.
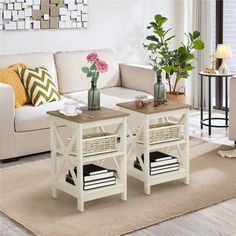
x: 39, y: 85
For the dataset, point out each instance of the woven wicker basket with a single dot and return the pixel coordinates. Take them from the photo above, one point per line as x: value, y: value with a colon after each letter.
x: 98, y: 143
x: 160, y: 133
x: 178, y: 97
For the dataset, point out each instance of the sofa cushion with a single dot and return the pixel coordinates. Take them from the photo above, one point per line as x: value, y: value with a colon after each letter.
x: 71, y: 78
x: 31, y: 60
x: 111, y: 96
x: 39, y: 85
x: 29, y: 118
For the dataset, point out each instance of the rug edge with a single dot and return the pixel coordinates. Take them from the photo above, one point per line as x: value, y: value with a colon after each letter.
x: 22, y: 224
x: 177, y: 215
x: 130, y: 231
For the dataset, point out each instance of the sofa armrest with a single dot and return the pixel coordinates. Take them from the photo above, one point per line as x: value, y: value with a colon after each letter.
x: 232, y: 109
x: 7, y: 113
x: 137, y: 77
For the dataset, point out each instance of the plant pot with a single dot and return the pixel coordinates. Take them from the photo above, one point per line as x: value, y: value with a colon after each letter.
x: 178, y: 97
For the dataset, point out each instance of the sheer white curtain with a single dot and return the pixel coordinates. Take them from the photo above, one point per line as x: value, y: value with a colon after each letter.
x: 198, y: 17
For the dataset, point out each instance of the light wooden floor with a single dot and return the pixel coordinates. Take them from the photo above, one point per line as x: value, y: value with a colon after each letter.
x: 217, y: 220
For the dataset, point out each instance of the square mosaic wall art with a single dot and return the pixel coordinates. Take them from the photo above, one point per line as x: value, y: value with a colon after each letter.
x: 43, y: 14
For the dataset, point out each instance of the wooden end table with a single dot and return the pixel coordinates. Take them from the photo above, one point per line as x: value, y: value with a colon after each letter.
x: 148, y: 114
x: 59, y: 149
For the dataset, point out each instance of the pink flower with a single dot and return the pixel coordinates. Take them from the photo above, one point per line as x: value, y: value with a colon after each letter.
x: 92, y: 57
x: 101, y: 66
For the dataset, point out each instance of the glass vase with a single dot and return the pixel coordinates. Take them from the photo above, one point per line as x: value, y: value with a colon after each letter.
x: 93, y: 97
x: 159, y: 90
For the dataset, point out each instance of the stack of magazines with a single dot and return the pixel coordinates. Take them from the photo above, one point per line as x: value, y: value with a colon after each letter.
x: 159, y: 163
x: 94, y: 177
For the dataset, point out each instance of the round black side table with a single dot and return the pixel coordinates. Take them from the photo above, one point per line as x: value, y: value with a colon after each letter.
x: 203, y: 122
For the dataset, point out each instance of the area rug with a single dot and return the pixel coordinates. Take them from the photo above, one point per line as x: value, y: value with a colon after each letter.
x: 26, y: 197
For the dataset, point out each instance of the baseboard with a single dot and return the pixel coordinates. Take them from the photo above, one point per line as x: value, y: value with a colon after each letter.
x: 4, y: 161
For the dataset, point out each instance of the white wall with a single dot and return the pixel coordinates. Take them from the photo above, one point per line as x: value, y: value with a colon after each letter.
x: 112, y: 23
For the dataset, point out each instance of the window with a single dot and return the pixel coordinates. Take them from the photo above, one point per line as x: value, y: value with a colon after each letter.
x: 224, y: 29
x: 229, y: 30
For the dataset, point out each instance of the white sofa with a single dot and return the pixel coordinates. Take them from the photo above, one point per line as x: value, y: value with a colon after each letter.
x: 25, y: 130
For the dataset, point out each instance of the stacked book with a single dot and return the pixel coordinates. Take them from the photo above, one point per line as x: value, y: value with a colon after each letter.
x: 94, y: 177
x: 159, y: 163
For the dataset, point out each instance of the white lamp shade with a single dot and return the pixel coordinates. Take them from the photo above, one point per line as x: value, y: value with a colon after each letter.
x: 223, y: 51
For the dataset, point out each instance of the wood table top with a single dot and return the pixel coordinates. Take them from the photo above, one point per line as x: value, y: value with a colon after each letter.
x: 102, y: 114
x: 150, y: 109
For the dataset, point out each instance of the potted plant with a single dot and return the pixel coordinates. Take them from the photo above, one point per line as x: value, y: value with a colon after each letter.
x: 175, y: 63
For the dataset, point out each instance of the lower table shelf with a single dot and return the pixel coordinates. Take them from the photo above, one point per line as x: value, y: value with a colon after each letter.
x: 94, y: 157
x: 93, y: 193
x: 159, y: 178
x: 165, y: 144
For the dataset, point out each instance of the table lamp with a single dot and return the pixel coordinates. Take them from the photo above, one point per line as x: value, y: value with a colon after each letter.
x: 223, y: 52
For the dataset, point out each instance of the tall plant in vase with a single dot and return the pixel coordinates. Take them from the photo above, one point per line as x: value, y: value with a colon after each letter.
x: 159, y: 45
x: 96, y: 66
x: 175, y: 63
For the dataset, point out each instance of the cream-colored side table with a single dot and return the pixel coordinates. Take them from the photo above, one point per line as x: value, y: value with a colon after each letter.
x: 62, y: 158
x: 148, y: 114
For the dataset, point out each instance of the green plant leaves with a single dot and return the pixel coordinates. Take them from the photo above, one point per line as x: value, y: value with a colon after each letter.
x: 153, y: 25
x: 196, y: 34
x: 85, y: 69
x: 190, y: 57
x: 198, y: 44
x: 166, y: 31
x: 159, y: 32
x: 152, y: 38
x: 151, y: 46
x: 93, y: 66
x: 184, y: 74
x: 168, y: 39
x: 193, y: 36
x: 160, y: 20
x: 90, y: 74
x: 188, y: 67
x: 170, y: 69
x: 182, y: 53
